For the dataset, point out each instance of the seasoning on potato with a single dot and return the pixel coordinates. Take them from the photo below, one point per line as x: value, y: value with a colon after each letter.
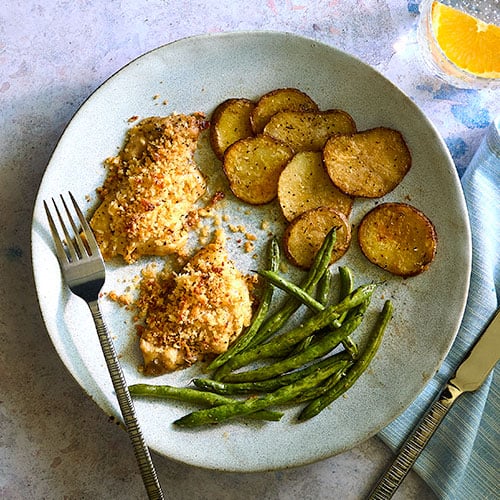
x: 305, y: 234
x: 309, y: 130
x: 398, y: 238
x: 229, y: 123
x: 253, y: 166
x: 304, y: 184
x: 279, y: 100
x: 368, y: 164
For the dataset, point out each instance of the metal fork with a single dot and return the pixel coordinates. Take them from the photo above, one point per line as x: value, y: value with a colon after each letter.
x: 83, y: 269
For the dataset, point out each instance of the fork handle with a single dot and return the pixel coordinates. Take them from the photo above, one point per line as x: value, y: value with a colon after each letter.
x: 141, y: 451
x: 389, y: 482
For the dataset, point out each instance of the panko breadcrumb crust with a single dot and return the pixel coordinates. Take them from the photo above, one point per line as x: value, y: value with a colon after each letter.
x: 194, y: 313
x: 150, y: 189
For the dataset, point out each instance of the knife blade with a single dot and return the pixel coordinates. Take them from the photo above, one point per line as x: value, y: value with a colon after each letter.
x: 481, y: 359
x: 469, y: 376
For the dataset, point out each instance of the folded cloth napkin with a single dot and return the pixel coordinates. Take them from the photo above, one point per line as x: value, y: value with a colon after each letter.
x: 462, y: 460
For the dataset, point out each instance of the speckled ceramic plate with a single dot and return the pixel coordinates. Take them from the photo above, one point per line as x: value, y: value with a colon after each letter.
x: 195, y: 74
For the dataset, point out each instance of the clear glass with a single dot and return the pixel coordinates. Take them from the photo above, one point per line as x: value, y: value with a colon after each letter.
x: 433, y: 57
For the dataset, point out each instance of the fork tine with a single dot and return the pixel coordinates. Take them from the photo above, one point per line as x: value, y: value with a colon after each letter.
x: 61, y: 253
x: 72, y: 249
x: 78, y: 242
x: 89, y: 235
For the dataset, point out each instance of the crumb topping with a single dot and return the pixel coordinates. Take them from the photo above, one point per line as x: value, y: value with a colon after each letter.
x: 194, y: 313
x: 151, y: 188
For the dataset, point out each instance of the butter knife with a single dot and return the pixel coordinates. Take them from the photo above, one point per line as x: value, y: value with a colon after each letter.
x: 469, y: 376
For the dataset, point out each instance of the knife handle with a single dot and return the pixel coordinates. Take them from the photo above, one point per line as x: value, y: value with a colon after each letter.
x: 415, y: 443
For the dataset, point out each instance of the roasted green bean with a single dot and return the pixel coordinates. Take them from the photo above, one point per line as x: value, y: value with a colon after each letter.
x: 346, y: 287
x: 296, y: 292
x: 324, y: 287
x: 316, y: 392
x: 282, y: 395
x: 321, y: 262
x: 364, y: 359
x: 281, y: 344
x: 322, y: 296
x: 189, y: 395
x: 315, y: 351
x: 293, y: 289
x: 268, y: 385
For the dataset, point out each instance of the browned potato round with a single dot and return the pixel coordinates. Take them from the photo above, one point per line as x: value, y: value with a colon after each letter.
x: 309, y: 130
x: 253, y: 166
x: 305, y: 234
x: 304, y: 184
x: 279, y: 100
x: 230, y: 122
x: 398, y: 238
x: 368, y: 164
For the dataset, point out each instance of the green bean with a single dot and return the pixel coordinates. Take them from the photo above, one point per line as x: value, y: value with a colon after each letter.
x: 324, y: 287
x: 322, y: 295
x: 346, y: 281
x: 346, y: 287
x: 334, y: 379
x: 321, y: 262
x: 293, y: 289
x: 189, y: 395
x: 351, y: 347
x: 315, y: 406
x: 302, y: 345
x: 315, y: 351
x: 281, y: 344
x: 268, y: 385
x: 246, y: 337
x: 185, y: 394
x: 280, y: 396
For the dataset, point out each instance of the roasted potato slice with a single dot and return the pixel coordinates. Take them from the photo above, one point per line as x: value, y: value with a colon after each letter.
x: 253, y: 166
x: 398, y: 238
x: 230, y: 122
x: 309, y: 130
x: 304, y: 184
x: 305, y: 234
x: 279, y: 100
x: 369, y: 164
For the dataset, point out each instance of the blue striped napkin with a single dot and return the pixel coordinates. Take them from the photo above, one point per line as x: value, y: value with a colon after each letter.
x: 462, y: 460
